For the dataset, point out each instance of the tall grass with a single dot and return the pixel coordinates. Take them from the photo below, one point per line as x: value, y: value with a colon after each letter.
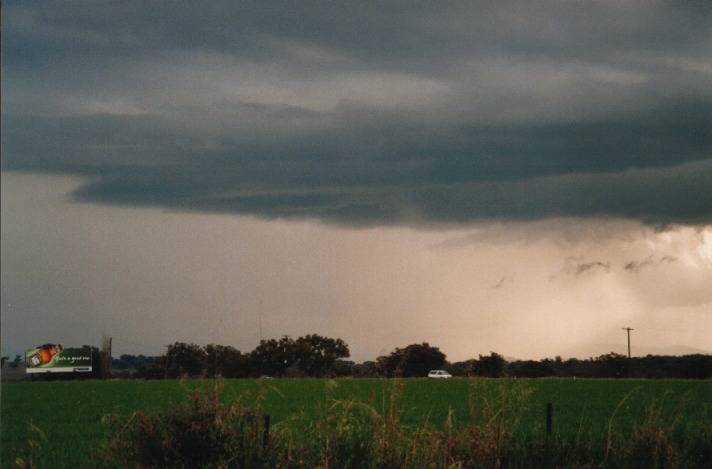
x: 346, y: 434
x: 358, y: 424
x: 488, y: 438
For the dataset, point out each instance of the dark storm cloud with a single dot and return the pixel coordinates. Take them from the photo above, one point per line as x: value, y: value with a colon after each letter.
x: 505, y: 280
x: 581, y: 268
x: 363, y: 113
x: 636, y: 266
x: 575, y: 266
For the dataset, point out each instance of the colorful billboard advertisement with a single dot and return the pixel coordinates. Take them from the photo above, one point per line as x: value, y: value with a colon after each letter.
x: 55, y: 358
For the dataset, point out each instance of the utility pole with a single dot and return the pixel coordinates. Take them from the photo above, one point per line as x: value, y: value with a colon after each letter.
x: 628, y: 329
x: 259, y: 318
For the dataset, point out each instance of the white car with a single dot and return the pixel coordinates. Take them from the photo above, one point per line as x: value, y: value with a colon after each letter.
x: 439, y: 374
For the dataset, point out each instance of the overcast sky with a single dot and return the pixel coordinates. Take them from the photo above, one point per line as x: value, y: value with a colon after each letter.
x: 519, y: 177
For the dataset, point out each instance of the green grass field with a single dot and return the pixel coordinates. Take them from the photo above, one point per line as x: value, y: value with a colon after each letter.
x: 58, y: 424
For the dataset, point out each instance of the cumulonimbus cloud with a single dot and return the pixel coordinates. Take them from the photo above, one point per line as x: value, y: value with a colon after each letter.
x: 459, y: 114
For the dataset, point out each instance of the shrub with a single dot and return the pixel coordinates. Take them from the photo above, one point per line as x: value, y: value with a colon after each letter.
x: 652, y: 444
x: 202, y: 433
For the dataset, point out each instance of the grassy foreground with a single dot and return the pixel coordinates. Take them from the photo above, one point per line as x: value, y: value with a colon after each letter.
x: 594, y: 422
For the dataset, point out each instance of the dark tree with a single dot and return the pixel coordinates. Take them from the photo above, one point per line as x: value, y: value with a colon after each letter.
x: 491, y: 366
x: 16, y: 362
x: 420, y: 359
x: 225, y: 361
x: 183, y: 359
x: 693, y: 367
x: 132, y: 362
x: 612, y: 365
x: 391, y: 365
x: 366, y: 369
x: 317, y: 355
x: 412, y: 361
x: 531, y: 369
x: 274, y: 358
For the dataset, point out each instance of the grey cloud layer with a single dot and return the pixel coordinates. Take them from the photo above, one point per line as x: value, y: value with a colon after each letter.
x: 376, y: 113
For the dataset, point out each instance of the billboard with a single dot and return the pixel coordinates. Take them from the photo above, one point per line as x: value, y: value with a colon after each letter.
x: 55, y: 358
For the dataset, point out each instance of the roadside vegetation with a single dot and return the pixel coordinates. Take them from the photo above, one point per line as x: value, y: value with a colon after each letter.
x: 366, y: 423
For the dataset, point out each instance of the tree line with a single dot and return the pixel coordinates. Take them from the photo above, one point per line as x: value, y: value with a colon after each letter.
x: 318, y: 356
x: 309, y: 356
x: 614, y: 365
